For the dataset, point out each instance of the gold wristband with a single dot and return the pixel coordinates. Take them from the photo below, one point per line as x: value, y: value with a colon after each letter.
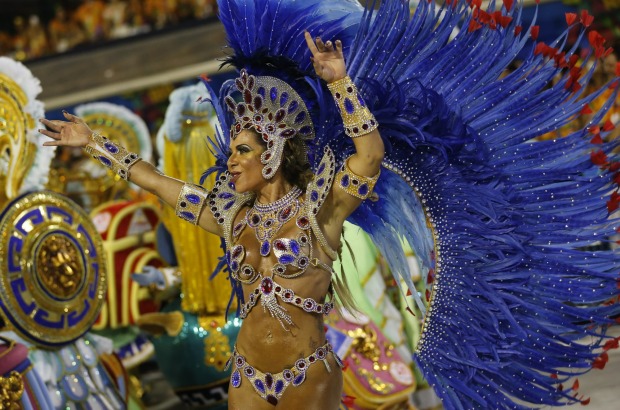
x: 356, y: 117
x: 111, y: 155
x: 191, y: 200
x: 356, y: 185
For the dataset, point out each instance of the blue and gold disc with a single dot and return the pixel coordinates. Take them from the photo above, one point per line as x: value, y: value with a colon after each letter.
x: 52, y: 269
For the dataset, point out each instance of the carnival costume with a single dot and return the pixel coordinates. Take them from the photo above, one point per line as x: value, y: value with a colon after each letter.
x: 497, y: 220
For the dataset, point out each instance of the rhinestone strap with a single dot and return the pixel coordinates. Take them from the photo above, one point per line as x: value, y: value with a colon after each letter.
x: 268, y: 287
x: 356, y: 117
x: 271, y: 386
x: 111, y: 155
x: 356, y: 185
x: 190, y: 202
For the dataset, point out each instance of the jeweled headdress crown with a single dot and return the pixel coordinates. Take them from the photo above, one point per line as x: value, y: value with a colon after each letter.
x: 275, y: 110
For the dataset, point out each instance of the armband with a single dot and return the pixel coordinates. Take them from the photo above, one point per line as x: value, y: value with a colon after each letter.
x: 111, y: 155
x: 190, y: 203
x: 356, y: 185
x: 356, y: 117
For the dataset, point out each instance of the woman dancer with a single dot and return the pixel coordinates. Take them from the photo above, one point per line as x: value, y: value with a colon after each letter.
x: 279, y: 248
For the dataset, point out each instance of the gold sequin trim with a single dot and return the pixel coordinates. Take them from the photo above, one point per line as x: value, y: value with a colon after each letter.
x: 356, y: 185
x: 111, y: 155
x: 190, y: 202
x: 356, y: 117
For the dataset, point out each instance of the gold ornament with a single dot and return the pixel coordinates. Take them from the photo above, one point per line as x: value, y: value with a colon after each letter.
x: 52, y: 285
x: 17, y: 154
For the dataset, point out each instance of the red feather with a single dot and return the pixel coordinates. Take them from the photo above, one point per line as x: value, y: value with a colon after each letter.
x: 508, y: 4
x: 586, y: 18
x: 571, y: 18
x: 608, y: 126
x: 534, y: 32
x: 596, y: 139
x: 518, y: 30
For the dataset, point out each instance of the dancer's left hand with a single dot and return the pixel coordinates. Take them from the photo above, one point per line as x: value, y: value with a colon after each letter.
x: 327, y: 58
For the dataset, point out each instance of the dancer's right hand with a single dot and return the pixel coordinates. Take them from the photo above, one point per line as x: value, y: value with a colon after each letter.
x: 72, y: 133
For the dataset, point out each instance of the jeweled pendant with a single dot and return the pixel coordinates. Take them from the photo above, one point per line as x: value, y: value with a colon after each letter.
x: 236, y: 378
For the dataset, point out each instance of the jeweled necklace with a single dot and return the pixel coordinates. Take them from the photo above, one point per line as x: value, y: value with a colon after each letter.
x: 267, y: 219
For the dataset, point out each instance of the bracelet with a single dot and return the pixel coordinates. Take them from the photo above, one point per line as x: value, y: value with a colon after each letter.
x: 356, y: 185
x: 356, y: 117
x: 111, y: 155
x: 191, y: 200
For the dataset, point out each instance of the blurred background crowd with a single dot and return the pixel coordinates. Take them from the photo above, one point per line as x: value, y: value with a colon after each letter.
x: 70, y: 24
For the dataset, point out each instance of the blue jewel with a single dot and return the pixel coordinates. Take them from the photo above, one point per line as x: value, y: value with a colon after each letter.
x: 113, y: 149
x: 265, y: 248
x: 236, y: 378
x: 105, y: 161
x: 259, y: 385
x: 314, y: 196
x: 300, y: 117
x: 344, y: 182
x: 188, y: 215
x: 193, y: 198
x: 286, y: 259
x: 348, y: 105
x: 320, y: 182
x: 361, y: 100
x: 363, y: 189
x: 229, y: 205
x: 279, y: 386
x: 299, y: 379
x: 283, y: 99
x: 305, y: 130
x: 293, y: 106
x: 321, y: 169
x: 294, y: 246
x: 225, y: 195
x: 273, y: 93
x: 261, y: 91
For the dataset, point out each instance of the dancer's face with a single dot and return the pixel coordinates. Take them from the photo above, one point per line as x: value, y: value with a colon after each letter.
x: 244, y: 162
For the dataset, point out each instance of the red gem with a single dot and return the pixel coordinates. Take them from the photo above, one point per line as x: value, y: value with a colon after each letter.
x: 279, y: 245
x: 266, y: 286
x: 298, y: 301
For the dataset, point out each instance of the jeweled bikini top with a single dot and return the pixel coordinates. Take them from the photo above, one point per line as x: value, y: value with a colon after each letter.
x: 294, y: 255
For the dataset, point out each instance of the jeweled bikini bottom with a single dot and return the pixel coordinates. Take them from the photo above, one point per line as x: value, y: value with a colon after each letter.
x: 271, y: 386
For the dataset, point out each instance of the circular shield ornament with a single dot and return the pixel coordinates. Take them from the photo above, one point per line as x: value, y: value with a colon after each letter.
x: 52, y: 269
